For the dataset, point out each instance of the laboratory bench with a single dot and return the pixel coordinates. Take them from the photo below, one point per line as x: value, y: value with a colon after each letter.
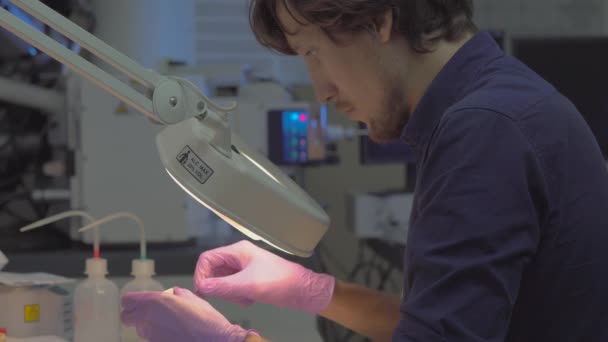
x: 69, y: 262
x: 170, y: 259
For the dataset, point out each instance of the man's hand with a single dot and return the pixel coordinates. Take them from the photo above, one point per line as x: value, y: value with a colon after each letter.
x: 243, y: 273
x: 178, y: 316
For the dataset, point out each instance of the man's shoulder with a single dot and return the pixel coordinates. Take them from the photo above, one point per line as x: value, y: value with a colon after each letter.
x: 508, y: 87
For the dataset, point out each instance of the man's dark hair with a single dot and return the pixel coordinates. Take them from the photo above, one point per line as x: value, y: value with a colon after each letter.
x: 420, y: 21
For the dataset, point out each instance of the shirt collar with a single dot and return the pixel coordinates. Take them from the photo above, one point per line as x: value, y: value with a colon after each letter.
x: 449, y: 86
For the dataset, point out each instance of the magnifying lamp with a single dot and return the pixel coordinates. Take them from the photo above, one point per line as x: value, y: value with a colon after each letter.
x: 197, y: 148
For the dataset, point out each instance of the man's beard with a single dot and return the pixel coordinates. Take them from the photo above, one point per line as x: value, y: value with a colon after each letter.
x: 388, y: 126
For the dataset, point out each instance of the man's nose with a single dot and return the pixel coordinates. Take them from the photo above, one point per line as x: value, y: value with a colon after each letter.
x: 325, y: 90
x: 325, y: 96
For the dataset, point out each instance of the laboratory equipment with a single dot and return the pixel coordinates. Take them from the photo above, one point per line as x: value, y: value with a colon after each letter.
x: 288, y: 132
x: 96, y: 299
x: 32, y: 96
x: 35, y: 304
x: 295, y: 135
x: 142, y: 269
x: 143, y: 272
x: 33, y: 132
x: 382, y: 215
x: 137, y: 184
x: 64, y: 215
x: 140, y: 184
x: 96, y: 305
x: 24, y: 147
x: 96, y: 302
x: 94, y: 224
x: 197, y: 148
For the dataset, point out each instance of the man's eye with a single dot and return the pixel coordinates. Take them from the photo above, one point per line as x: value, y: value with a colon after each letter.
x: 310, y: 52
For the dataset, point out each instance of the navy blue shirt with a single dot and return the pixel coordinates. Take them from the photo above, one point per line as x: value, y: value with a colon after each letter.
x: 508, y: 237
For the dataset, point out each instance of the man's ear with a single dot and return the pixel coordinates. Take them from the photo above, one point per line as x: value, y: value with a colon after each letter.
x: 384, y: 26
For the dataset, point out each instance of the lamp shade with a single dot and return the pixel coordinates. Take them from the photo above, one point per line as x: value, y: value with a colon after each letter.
x: 242, y: 187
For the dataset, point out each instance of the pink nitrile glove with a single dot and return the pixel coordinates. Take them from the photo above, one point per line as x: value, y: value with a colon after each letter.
x: 178, y: 316
x: 243, y: 273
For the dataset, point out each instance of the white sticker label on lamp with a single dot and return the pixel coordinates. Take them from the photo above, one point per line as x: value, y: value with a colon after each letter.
x: 194, y: 165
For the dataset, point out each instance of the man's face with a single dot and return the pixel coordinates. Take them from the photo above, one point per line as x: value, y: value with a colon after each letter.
x: 359, y: 76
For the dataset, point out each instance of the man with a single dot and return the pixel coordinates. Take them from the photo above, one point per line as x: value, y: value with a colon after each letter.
x: 510, y: 218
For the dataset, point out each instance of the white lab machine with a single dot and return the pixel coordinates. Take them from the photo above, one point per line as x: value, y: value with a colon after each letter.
x: 383, y: 216
x: 116, y: 162
x: 117, y: 168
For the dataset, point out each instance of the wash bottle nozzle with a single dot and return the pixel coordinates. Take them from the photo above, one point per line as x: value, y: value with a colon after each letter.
x: 64, y: 215
x: 140, y: 224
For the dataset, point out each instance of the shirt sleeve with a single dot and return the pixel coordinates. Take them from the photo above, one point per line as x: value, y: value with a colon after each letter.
x: 474, y: 228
